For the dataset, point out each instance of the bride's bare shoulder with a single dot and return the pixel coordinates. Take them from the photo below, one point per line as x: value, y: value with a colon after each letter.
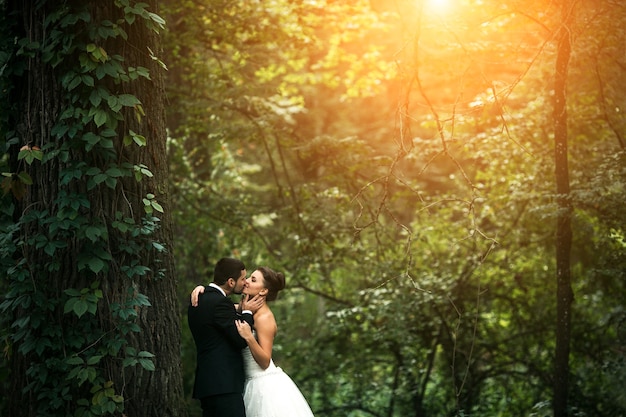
x: 265, y: 318
x: 264, y: 315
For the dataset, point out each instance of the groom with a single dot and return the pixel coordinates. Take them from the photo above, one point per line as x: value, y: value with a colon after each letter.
x: 219, y: 370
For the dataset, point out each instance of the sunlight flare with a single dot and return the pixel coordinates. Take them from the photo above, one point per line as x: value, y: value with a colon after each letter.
x: 439, y: 6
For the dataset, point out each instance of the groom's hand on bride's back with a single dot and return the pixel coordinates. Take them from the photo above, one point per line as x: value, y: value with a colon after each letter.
x: 195, y: 294
x: 252, y: 303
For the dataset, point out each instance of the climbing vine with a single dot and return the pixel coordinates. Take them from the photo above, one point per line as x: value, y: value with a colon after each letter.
x: 75, y: 327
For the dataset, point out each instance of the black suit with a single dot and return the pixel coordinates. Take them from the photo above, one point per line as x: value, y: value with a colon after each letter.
x: 219, y: 371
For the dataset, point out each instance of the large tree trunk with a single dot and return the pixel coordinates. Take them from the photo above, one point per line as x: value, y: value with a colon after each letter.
x: 41, y: 99
x: 564, y: 294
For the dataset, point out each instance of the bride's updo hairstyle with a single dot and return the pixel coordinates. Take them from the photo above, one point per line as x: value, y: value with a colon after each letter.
x: 274, y: 282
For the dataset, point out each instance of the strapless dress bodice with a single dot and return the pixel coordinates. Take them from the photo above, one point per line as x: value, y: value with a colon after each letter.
x: 253, y: 370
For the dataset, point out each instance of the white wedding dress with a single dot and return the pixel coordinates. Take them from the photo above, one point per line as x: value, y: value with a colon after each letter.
x: 271, y: 392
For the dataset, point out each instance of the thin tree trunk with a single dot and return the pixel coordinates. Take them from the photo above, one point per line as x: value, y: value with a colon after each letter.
x: 564, y: 294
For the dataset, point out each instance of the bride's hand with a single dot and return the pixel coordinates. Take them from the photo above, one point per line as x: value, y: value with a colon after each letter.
x: 195, y: 294
x: 252, y: 303
x: 244, y: 330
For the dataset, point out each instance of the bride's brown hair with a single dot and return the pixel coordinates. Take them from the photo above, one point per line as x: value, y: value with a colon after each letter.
x: 274, y: 282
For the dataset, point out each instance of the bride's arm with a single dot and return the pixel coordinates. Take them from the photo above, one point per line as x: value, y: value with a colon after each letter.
x: 261, y: 346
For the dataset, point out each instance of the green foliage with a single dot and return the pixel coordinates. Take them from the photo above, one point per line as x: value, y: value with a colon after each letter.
x: 72, y: 338
x: 399, y: 168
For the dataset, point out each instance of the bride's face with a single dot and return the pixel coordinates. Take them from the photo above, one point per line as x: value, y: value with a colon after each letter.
x: 255, y: 284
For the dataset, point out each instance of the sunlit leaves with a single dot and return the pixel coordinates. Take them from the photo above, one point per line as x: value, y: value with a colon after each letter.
x: 151, y: 204
x: 425, y: 212
x: 30, y: 154
x: 132, y: 136
x: 106, y: 398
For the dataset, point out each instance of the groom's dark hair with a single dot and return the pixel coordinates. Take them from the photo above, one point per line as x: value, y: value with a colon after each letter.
x: 227, y: 268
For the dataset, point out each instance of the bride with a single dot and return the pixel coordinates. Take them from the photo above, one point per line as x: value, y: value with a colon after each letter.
x: 269, y: 392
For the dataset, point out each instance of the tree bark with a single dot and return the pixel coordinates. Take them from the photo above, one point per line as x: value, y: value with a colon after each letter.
x: 40, y: 99
x: 564, y: 293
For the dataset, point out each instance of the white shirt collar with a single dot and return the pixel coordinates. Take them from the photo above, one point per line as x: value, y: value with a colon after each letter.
x: 218, y: 287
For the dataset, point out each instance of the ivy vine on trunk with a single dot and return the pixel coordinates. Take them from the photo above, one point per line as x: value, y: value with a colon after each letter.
x: 86, y: 256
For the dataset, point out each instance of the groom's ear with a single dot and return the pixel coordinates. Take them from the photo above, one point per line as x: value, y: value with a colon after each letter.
x: 231, y: 282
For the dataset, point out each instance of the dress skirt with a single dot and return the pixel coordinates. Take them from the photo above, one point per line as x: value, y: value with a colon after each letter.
x: 271, y: 392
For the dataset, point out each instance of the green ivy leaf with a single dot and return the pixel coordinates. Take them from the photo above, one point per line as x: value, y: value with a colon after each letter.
x: 100, y: 117
x: 93, y: 233
x: 75, y: 82
x: 72, y: 292
x: 157, y: 206
x: 75, y: 360
x: 147, y: 364
x: 114, y: 172
x: 25, y: 178
x: 94, y: 359
x: 87, y: 80
x: 80, y: 307
x: 51, y: 247
x: 114, y: 103
x: 129, y: 362
x: 59, y: 130
x: 96, y: 265
x: 92, y: 139
x: 128, y: 100
x: 100, y: 178
x: 111, y: 182
x: 69, y: 305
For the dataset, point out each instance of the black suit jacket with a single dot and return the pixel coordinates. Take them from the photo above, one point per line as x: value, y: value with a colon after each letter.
x: 219, y: 368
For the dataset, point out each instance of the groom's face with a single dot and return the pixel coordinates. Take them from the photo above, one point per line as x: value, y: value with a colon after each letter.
x: 240, y: 282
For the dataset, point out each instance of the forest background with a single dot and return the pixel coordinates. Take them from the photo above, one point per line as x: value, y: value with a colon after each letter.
x: 399, y: 162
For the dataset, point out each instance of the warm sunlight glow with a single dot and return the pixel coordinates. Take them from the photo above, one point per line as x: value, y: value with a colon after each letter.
x: 439, y: 6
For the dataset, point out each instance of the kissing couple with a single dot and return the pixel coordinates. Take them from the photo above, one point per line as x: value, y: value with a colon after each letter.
x: 235, y: 373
